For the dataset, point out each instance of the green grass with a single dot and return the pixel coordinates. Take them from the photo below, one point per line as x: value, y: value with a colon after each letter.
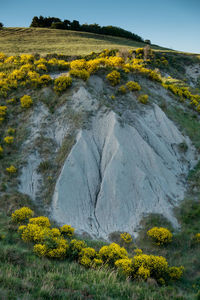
x: 43, y: 41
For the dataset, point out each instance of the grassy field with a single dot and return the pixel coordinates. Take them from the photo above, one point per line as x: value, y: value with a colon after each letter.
x: 43, y: 41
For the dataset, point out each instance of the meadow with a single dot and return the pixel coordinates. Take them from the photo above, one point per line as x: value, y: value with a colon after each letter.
x: 15, y: 41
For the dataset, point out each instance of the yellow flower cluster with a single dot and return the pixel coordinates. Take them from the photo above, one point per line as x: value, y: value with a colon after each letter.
x: 26, y: 101
x: 143, y: 99
x: 133, y: 86
x: 11, y: 169
x: 9, y: 140
x: 22, y: 214
x: 67, y: 230
x: 175, y: 273
x: 86, y: 256
x: 3, y: 111
x: 82, y: 74
x: 50, y: 242
x: 1, y: 150
x: 122, y: 89
x: 160, y: 235
x: 11, y: 130
x: 40, y: 221
x: 109, y: 254
x: 126, y: 237
x: 197, y: 237
x: 62, y: 83
x: 113, y: 78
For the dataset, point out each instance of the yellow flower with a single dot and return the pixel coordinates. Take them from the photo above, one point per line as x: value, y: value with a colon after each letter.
x: 26, y: 101
x: 9, y: 140
x: 126, y: 237
x: 11, y: 169
x: 22, y: 214
x: 67, y: 229
x: 160, y: 235
x: 113, y: 78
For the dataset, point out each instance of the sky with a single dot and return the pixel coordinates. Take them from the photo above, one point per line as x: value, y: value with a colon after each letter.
x: 171, y: 23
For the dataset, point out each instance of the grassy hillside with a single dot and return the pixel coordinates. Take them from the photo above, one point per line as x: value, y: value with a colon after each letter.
x: 43, y: 41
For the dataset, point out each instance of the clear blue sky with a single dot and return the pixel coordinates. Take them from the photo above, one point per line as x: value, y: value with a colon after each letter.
x: 170, y: 23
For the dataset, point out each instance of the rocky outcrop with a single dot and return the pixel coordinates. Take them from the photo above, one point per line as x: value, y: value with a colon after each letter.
x: 116, y: 174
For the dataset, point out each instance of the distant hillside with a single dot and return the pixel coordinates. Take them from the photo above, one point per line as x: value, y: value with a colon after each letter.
x: 44, y: 40
x: 56, y: 23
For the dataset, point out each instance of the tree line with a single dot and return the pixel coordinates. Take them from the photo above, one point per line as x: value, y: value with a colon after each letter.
x: 56, y: 23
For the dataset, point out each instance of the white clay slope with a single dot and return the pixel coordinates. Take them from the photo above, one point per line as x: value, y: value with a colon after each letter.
x: 114, y: 175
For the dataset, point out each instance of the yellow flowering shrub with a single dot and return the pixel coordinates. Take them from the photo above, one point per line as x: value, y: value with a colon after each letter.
x: 160, y: 235
x: 85, y: 261
x: 41, y: 221
x: 34, y: 232
x: 62, y: 83
x: 41, y: 67
x: 75, y: 248
x: 22, y: 214
x: 82, y: 74
x: 97, y: 262
x: 9, y: 140
x: 26, y: 101
x: 1, y: 150
x: 113, y: 78
x: 2, y: 75
x: 175, y: 273
x: 40, y: 249
x: 55, y: 232
x: 67, y: 230
x: 125, y: 266
x: 126, y: 237
x: 11, y: 130
x: 115, y: 61
x: 138, y: 251
x: 11, y: 169
x: 122, y: 89
x: 109, y: 254
x: 133, y: 86
x: 93, y: 65
x: 112, y: 97
x: 143, y: 273
x: 157, y: 265
x: 26, y: 58
x: 143, y: 99
x: 45, y: 80
x: 3, y: 110
x: 59, y: 250
x: 78, y: 64
x: 10, y: 101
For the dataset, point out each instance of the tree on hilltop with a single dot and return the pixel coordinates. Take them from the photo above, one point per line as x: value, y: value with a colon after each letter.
x: 1, y: 25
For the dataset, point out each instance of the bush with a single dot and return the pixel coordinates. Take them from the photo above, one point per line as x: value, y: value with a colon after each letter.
x: 143, y: 99
x: 110, y: 254
x: 1, y: 150
x: 9, y: 140
x: 67, y: 230
x: 22, y: 214
x: 126, y: 237
x: 113, y: 78
x: 26, y: 101
x: 1, y: 25
x: 160, y: 235
x: 82, y: 74
x: 62, y: 83
x: 11, y: 170
x: 40, y: 221
x: 122, y: 89
x: 133, y: 86
x: 197, y: 238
